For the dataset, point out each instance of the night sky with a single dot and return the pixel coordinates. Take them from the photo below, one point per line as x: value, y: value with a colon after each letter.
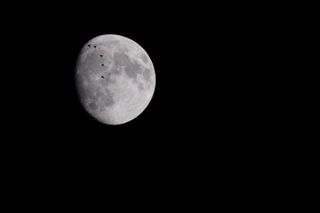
x: 207, y: 106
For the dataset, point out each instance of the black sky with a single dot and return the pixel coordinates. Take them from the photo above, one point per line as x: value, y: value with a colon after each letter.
x: 207, y: 104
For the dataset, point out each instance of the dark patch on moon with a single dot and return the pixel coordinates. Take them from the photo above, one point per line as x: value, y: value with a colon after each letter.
x: 133, y: 69
x: 121, y: 59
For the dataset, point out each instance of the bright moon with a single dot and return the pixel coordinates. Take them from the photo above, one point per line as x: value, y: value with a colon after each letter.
x: 115, y: 79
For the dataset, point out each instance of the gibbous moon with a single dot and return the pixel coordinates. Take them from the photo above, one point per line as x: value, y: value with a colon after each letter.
x: 115, y: 79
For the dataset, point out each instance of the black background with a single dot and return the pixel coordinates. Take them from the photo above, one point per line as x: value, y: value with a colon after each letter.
x: 206, y: 59
x: 200, y: 62
x: 209, y: 113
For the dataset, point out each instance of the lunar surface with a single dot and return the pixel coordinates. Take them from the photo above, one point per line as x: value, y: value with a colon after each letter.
x: 115, y: 79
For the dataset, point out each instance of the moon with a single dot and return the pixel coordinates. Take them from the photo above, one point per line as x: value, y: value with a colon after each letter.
x: 115, y: 79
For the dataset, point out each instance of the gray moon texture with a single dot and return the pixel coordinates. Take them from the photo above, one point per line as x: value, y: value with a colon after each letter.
x: 115, y: 79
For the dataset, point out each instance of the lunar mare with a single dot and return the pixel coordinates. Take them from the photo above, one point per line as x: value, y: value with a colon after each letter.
x: 115, y: 79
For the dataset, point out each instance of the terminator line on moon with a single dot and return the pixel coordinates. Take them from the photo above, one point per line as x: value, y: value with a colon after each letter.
x: 115, y: 79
